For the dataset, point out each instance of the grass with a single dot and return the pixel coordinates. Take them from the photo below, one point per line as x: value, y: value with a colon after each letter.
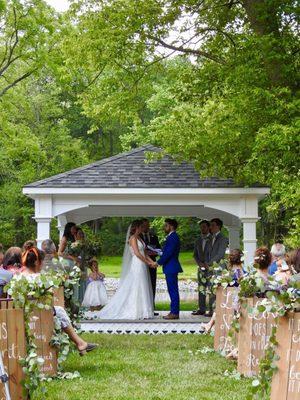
x: 111, y: 266
x: 184, y: 306
x: 148, y: 367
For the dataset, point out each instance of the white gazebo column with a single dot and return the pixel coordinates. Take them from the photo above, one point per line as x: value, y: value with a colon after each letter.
x: 43, y: 217
x: 43, y: 230
x: 234, y: 237
x: 249, y: 232
x: 61, y: 223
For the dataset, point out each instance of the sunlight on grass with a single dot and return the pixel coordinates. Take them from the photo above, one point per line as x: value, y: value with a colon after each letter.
x: 149, y: 367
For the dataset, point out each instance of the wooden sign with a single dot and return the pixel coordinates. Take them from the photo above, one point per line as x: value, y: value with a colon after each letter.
x: 286, y: 381
x: 42, y: 326
x: 226, y: 303
x: 12, y: 347
x: 59, y: 297
x: 254, y: 337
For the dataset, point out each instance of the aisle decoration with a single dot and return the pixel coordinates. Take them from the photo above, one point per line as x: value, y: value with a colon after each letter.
x: 31, y: 292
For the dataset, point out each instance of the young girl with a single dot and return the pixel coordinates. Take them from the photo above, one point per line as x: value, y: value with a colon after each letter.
x: 95, y: 295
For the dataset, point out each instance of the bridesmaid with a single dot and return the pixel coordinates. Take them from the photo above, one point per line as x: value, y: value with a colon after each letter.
x: 63, y: 250
x: 82, y: 263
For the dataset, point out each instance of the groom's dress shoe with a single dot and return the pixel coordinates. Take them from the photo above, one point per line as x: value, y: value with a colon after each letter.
x: 171, y: 316
x: 198, y: 312
x: 156, y: 314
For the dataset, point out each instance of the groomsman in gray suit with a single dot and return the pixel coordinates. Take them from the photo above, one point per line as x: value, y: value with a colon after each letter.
x: 218, y: 244
x: 201, y: 256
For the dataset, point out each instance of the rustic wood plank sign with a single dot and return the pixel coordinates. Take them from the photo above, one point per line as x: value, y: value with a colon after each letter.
x: 42, y: 326
x: 12, y: 347
x: 286, y: 381
x: 254, y: 335
x: 226, y: 302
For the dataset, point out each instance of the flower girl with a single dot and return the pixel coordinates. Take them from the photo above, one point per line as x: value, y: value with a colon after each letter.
x: 95, y: 295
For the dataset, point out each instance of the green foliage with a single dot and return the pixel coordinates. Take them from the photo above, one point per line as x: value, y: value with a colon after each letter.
x: 231, y: 108
x: 36, y: 292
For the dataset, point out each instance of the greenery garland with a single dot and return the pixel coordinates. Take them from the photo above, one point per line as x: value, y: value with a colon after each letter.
x: 31, y: 292
x: 278, y: 302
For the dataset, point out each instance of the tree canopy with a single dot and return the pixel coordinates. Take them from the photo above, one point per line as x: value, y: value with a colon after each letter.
x: 212, y: 82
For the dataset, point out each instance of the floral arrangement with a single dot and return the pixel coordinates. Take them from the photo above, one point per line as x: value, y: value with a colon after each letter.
x: 36, y: 291
x: 278, y: 302
x: 75, y: 248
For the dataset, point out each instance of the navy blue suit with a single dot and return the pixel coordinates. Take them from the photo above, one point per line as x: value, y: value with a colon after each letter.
x: 171, y: 267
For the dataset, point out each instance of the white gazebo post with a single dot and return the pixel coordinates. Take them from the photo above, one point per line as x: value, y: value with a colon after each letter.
x: 249, y: 233
x: 43, y: 217
x: 61, y: 223
x: 234, y: 237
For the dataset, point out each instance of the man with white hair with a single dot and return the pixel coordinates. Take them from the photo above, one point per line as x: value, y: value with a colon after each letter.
x: 278, y: 253
x: 51, y: 261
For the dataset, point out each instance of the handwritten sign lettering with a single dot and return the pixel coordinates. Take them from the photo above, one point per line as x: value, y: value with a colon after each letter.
x: 226, y: 300
x: 286, y: 381
x: 12, y: 347
x: 254, y: 336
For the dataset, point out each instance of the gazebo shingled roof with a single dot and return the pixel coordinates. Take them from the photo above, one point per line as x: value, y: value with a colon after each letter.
x: 129, y: 170
x: 126, y: 185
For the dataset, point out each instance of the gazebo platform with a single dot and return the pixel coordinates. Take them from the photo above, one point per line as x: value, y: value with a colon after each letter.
x: 186, y: 324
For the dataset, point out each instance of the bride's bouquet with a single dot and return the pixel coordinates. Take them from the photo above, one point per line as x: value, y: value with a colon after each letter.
x: 75, y: 248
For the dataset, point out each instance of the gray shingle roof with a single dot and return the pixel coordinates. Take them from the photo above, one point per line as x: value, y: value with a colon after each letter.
x: 129, y: 170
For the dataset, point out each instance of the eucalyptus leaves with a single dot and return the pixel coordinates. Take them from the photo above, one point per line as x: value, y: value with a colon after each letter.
x: 31, y: 292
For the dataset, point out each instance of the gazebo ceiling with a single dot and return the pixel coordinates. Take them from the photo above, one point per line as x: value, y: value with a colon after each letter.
x: 130, y: 170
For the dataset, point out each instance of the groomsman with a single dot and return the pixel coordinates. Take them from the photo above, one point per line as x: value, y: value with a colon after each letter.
x: 151, y: 239
x: 201, y: 256
x: 218, y: 244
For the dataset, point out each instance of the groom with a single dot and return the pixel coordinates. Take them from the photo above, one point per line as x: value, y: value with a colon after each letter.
x: 171, y: 265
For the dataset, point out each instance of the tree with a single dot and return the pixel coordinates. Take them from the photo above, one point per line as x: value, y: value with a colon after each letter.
x: 25, y: 40
x: 213, y: 82
x: 35, y: 144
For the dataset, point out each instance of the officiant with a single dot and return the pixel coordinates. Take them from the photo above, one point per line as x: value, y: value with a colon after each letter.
x: 151, y: 239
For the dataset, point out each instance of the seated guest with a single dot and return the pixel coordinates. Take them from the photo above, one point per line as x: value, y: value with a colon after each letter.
x: 50, y: 261
x: 262, y: 261
x: 278, y: 252
x: 1, y: 254
x: 293, y: 261
x: 12, y: 260
x: 33, y: 258
x: 235, y: 265
x: 28, y: 244
x: 283, y: 273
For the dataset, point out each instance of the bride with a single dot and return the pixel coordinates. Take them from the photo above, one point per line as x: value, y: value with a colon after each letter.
x: 134, y: 298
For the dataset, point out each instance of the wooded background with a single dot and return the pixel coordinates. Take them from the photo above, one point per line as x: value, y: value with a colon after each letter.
x: 213, y: 82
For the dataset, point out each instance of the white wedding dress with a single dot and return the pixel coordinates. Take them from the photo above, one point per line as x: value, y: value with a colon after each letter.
x: 133, y: 298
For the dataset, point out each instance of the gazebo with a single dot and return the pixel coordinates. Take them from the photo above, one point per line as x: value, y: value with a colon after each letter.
x: 129, y: 185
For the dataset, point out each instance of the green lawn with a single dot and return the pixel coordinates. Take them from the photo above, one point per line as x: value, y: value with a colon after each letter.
x: 184, y: 306
x: 148, y: 367
x: 111, y: 266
